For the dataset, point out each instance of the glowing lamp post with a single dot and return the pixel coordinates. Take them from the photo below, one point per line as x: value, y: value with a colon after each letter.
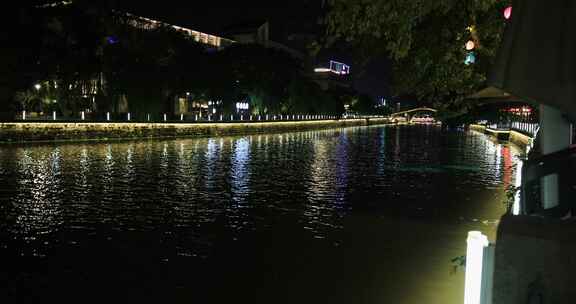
x: 53, y: 115
x: 128, y: 116
x: 107, y: 116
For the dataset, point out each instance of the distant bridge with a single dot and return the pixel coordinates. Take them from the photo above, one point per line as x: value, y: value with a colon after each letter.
x: 408, y: 116
x: 421, y: 109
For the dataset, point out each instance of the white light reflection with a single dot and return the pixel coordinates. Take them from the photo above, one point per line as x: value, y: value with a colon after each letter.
x: 240, y: 173
x: 37, y: 205
x: 211, y: 160
x: 84, y: 165
x: 323, y: 187
x: 382, y: 152
x: 108, y: 174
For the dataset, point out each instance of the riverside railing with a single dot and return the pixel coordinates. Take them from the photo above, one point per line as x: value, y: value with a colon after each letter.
x: 526, y: 128
x: 137, y: 117
x: 557, y: 169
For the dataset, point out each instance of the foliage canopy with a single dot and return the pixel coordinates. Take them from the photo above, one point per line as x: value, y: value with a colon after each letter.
x: 425, y: 41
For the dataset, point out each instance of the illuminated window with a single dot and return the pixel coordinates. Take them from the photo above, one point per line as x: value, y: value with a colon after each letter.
x: 196, y: 36
x: 212, y: 40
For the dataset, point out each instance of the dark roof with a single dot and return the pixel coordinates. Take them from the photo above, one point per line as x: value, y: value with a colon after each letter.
x: 243, y: 27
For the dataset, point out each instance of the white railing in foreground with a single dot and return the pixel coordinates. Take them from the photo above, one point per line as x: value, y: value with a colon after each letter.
x: 479, y: 269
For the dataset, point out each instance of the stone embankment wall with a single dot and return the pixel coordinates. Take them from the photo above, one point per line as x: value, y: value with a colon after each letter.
x: 77, y: 131
x: 515, y: 137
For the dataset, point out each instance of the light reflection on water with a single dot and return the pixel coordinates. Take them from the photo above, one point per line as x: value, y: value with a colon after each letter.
x: 195, y: 198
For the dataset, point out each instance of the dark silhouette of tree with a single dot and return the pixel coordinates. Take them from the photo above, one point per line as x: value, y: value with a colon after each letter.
x: 426, y: 42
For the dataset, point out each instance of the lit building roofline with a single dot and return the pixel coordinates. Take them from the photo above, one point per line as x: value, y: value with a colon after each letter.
x: 196, y: 34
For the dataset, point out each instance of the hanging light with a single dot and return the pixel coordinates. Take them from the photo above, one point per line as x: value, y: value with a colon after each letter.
x: 470, y: 45
x: 508, y: 12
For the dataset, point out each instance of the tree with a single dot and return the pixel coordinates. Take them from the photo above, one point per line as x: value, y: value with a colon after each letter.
x: 426, y: 42
x: 260, y: 73
x: 363, y: 104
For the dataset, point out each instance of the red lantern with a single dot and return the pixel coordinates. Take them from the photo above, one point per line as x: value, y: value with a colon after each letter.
x: 508, y: 12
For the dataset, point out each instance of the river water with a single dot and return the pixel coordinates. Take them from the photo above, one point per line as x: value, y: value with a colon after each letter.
x: 354, y: 215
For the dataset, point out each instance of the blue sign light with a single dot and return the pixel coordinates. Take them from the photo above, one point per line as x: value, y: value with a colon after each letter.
x: 470, y: 58
x: 112, y: 39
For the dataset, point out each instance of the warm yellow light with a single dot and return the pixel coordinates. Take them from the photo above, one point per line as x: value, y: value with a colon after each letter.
x: 470, y: 45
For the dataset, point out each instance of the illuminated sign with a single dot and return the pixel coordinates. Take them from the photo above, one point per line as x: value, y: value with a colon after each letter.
x: 335, y: 67
x: 470, y: 58
x: 339, y: 68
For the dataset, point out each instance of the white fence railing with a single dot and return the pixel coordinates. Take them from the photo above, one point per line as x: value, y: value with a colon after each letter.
x: 479, y: 269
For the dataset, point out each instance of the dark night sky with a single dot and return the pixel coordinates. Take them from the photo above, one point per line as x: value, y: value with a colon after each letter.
x: 211, y: 16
